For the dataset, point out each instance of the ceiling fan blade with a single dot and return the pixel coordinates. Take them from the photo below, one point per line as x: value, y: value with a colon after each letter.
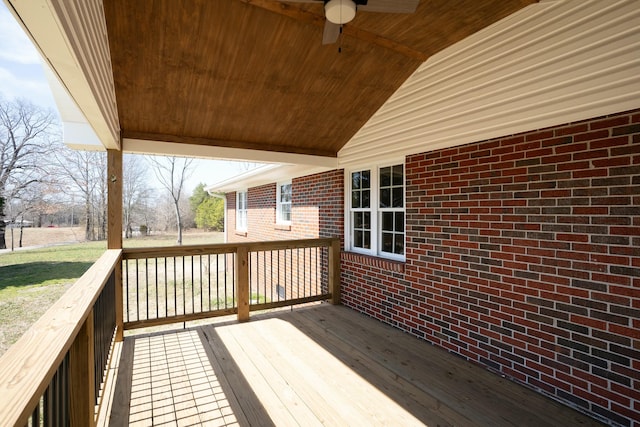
x: 331, y: 32
x: 390, y: 6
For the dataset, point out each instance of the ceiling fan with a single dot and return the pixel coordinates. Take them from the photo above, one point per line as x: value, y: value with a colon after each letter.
x: 340, y: 12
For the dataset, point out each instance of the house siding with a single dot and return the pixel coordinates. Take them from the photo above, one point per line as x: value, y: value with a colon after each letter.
x: 522, y: 255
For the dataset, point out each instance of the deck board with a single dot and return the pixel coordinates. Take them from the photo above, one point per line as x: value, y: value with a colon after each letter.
x: 322, y: 365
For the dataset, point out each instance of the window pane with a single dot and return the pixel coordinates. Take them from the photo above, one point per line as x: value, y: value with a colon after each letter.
x: 366, y: 198
x: 285, y: 193
x: 366, y: 182
x: 385, y: 177
x: 366, y: 244
x: 387, y: 221
x: 357, y: 220
x: 398, y: 197
x: 387, y: 242
x: 357, y: 238
x: 399, y: 220
x: 355, y: 180
x: 398, y: 175
x: 385, y: 197
x: 355, y: 199
x: 366, y: 220
x: 286, y: 212
x: 399, y: 246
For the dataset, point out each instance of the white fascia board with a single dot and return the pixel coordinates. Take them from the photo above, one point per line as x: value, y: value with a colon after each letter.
x: 140, y: 146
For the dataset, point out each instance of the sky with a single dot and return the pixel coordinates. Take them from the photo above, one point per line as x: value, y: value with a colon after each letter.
x: 22, y: 76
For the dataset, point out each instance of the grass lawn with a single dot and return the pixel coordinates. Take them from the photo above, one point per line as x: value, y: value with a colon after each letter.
x: 31, y: 280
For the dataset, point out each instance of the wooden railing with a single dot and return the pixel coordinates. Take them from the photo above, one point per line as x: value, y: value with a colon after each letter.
x: 51, y: 376
x: 179, y: 284
x: 54, y: 374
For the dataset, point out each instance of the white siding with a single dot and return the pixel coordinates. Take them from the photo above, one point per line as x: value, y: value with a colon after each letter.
x: 551, y: 63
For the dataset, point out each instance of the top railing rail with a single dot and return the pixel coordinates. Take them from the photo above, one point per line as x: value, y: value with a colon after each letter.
x: 222, y: 248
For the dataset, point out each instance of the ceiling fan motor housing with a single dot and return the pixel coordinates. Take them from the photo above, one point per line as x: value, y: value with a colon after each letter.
x: 340, y: 11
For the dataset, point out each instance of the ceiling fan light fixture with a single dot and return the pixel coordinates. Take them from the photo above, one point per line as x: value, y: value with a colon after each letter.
x: 340, y: 11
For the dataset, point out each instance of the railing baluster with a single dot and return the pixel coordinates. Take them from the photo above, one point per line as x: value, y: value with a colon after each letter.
x: 271, y: 281
x: 126, y: 296
x: 193, y: 300
x: 137, y: 291
x: 155, y: 279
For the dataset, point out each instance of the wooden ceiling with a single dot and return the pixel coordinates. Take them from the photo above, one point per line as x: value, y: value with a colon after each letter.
x: 254, y: 73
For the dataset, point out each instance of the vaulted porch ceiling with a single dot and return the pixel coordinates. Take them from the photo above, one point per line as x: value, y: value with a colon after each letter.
x: 253, y: 74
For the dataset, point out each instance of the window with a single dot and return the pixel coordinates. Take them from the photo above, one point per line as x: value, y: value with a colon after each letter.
x: 283, y: 205
x: 361, y: 209
x: 391, y: 208
x: 241, y: 211
x: 376, y: 211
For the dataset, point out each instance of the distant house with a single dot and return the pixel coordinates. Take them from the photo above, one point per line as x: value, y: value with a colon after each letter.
x: 19, y: 223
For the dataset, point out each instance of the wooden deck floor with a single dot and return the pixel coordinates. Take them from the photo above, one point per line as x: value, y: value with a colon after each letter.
x: 324, y: 365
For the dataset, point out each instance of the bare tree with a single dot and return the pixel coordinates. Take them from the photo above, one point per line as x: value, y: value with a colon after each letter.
x: 84, y: 173
x: 135, y: 191
x: 26, y: 133
x: 172, y: 173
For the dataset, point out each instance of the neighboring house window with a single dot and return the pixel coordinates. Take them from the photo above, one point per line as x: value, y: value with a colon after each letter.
x: 377, y: 211
x: 241, y: 211
x: 283, y: 205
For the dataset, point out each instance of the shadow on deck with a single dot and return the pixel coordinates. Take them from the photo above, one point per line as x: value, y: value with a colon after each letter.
x: 322, y: 365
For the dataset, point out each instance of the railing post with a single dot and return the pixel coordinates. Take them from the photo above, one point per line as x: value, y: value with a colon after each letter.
x: 334, y: 271
x: 114, y: 231
x: 81, y: 377
x: 242, y: 277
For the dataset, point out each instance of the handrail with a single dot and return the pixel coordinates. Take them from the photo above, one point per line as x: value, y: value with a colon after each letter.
x: 29, y: 365
x: 221, y: 248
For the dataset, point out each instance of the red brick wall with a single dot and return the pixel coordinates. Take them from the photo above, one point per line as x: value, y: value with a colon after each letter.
x: 523, y: 255
x: 316, y: 211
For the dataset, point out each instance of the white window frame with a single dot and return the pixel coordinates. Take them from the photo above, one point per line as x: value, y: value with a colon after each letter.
x: 279, y: 203
x: 374, y: 209
x: 239, y: 211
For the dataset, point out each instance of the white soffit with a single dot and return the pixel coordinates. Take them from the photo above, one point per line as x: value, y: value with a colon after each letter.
x: 71, y: 36
x: 77, y: 133
x: 552, y: 62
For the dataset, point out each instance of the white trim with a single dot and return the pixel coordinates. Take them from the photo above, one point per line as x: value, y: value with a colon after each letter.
x: 376, y: 232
